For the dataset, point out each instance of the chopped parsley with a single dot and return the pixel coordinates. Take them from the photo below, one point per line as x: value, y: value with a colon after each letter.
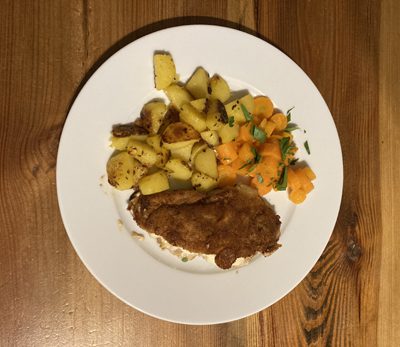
x: 231, y: 121
x: 288, y: 114
x: 294, y: 161
x: 285, y: 146
x: 257, y: 156
x: 282, y: 183
x: 307, y: 147
x: 184, y: 259
x: 246, y: 113
x: 247, y: 163
x: 258, y: 134
x: 260, y: 179
x: 290, y: 127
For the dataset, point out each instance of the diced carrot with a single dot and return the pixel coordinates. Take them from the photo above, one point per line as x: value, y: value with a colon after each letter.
x: 263, y: 187
x: 226, y: 176
x: 227, y: 152
x: 269, y: 128
x: 240, y: 167
x: 305, y: 182
x: 244, y: 133
x: 271, y: 165
x: 263, y: 123
x: 309, y: 173
x: 293, y: 181
x: 297, y: 196
x: 263, y: 106
x: 280, y: 120
x: 245, y: 152
x: 270, y: 149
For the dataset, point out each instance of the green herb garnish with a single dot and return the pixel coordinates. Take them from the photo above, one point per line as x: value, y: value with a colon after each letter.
x: 288, y: 114
x: 252, y: 168
x: 259, y: 134
x: 260, y: 179
x: 285, y: 146
x: 184, y: 259
x: 246, y: 113
x: 282, y: 183
x: 231, y: 121
x: 248, y: 162
x: 294, y: 161
x: 291, y: 127
x: 257, y: 156
x: 307, y: 147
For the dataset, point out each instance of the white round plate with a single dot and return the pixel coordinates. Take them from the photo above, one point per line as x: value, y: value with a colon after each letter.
x: 95, y: 216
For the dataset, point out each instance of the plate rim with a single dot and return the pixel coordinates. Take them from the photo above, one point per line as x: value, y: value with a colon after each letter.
x: 69, y: 120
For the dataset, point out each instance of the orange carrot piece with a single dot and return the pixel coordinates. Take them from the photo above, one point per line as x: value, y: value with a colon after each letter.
x: 263, y: 188
x: 244, y: 133
x: 269, y: 128
x: 309, y: 173
x: 240, y: 167
x: 245, y: 152
x: 263, y: 106
x: 226, y: 176
x: 306, y: 184
x: 297, y: 196
x: 293, y: 181
x: 280, y: 120
x: 271, y: 165
x: 227, y: 152
x: 270, y: 149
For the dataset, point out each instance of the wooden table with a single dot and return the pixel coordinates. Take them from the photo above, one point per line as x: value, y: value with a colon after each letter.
x: 351, y: 51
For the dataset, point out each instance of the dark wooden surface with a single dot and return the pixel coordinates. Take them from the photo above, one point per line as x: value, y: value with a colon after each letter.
x: 351, y: 51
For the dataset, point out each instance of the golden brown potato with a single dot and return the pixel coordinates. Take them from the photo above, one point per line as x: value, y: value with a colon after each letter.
x: 206, y: 162
x: 190, y: 115
x: 142, y: 152
x: 211, y: 137
x: 234, y: 110
x: 155, y: 141
x: 228, y: 133
x: 178, y: 169
x: 197, y: 147
x: 152, y: 115
x: 154, y: 183
x: 178, y: 95
x: 199, y: 104
x: 164, y: 70
x: 216, y: 115
x: 218, y: 88
x: 179, y: 132
x: 124, y: 171
x: 198, y: 83
x: 202, y: 182
x: 182, y: 152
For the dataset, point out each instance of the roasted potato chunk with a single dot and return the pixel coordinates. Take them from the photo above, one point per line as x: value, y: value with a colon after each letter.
x: 164, y: 70
x: 178, y: 169
x: 124, y: 171
x: 179, y: 132
x: 197, y: 148
x: 155, y: 141
x: 142, y: 152
x: 152, y: 115
x: 199, y: 104
x: 219, y: 89
x: 216, y: 115
x: 202, y: 182
x: 190, y: 115
x: 178, y: 95
x: 206, y: 162
x: 228, y: 133
x: 211, y: 137
x: 198, y: 83
x: 182, y: 152
x: 154, y: 183
x: 234, y: 110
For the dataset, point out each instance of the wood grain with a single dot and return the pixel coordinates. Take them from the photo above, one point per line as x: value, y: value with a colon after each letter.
x: 350, y: 49
x: 389, y: 131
